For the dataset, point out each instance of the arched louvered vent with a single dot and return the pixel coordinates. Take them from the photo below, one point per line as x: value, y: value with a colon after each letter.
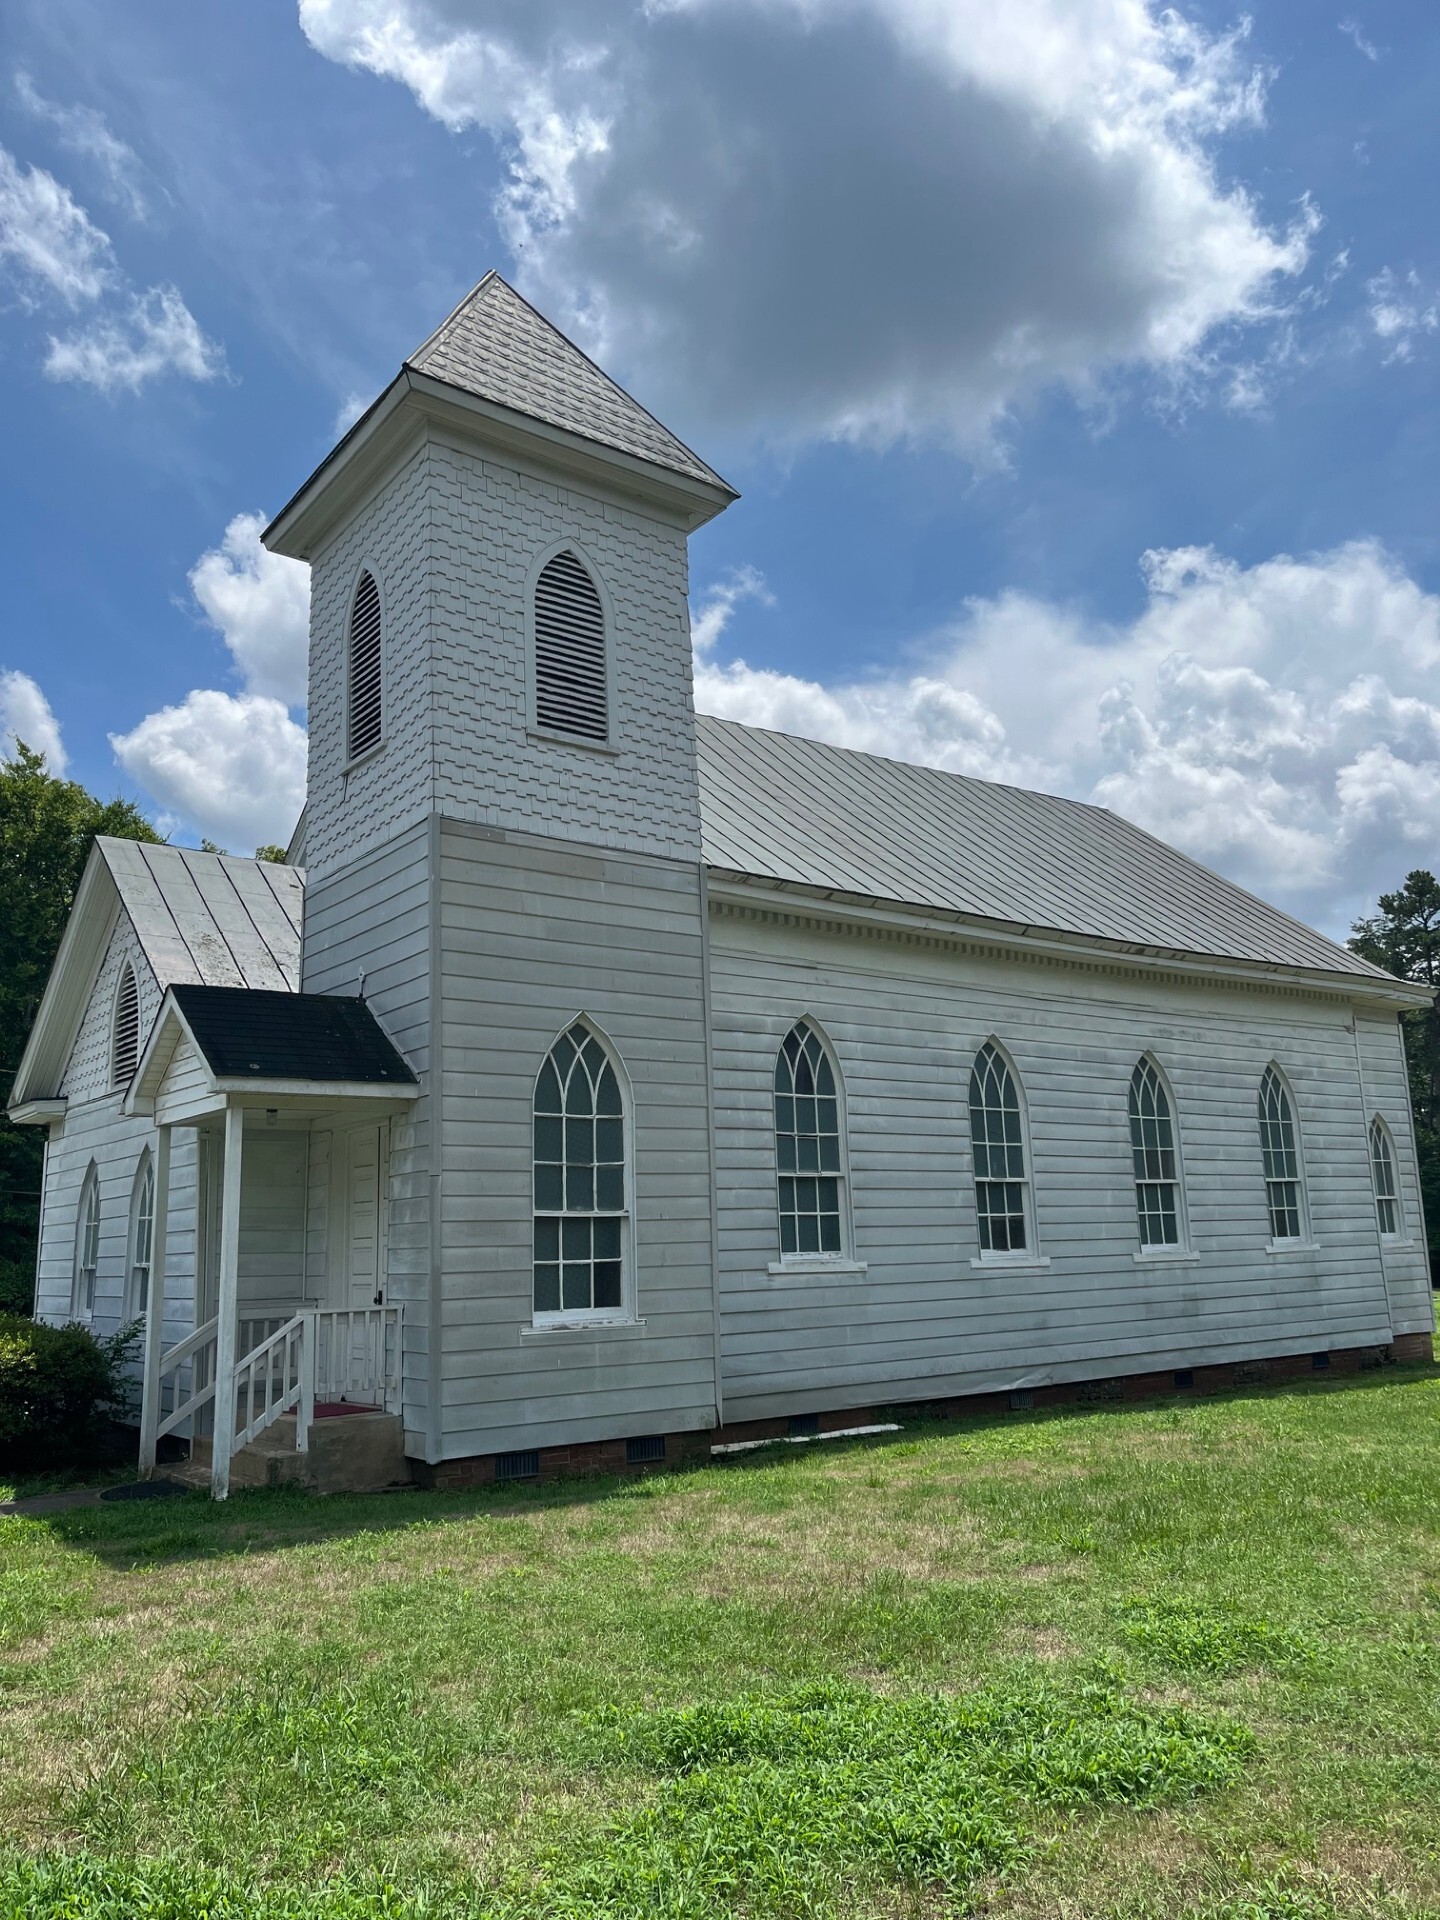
x: 366, y: 712
x: 125, y: 1039
x: 570, y: 651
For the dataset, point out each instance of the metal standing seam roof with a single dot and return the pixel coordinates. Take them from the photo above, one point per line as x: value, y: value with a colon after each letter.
x: 798, y: 811
x: 210, y: 919
x: 250, y: 1034
x: 496, y: 346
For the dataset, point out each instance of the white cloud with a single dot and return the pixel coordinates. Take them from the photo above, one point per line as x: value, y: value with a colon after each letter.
x: 878, y: 219
x: 1401, y: 311
x: 48, y: 239
x: 349, y: 411
x: 25, y: 715
x: 230, y: 766
x: 260, y: 604
x: 55, y: 250
x: 156, y: 333
x: 83, y: 130
x: 1279, y: 722
x: 1353, y: 32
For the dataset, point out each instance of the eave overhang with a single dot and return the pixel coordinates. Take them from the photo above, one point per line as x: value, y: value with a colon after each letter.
x: 37, y: 1113
x: 88, y: 928
x: 415, y: 402
x: 728, y: 887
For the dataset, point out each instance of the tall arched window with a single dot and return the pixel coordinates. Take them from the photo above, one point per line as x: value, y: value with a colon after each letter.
x: 125, y: 1030
x: 1152, y: 1147
x: 87, y: 1246
x: 1002, y: 1186
x: 1382, y: 1168
x: 365, y: 715
x: 1279, y: 1149
x: 808, y: 1153
x: 570, y: 690
x: 142, y: 1238
x: 581, y: 1216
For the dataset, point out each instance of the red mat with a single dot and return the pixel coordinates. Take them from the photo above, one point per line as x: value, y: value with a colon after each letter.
x: 331, y: 1409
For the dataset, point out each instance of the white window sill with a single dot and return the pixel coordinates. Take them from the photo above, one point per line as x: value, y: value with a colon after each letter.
x: 583, y: 1329
x: 1012, y: 1262
x: 545, y: 736
x: 1277, y: 1249
x: 816, y: 1263
x: 1392, y: 1243
x: 1166, y: 1257
x: 361, y: 759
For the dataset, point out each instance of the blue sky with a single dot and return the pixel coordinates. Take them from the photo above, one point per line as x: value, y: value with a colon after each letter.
x: 1078, y: 371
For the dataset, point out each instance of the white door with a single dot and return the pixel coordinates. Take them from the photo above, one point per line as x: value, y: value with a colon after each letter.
x: 363, y: 1225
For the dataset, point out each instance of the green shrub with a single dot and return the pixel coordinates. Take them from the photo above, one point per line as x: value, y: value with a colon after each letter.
x: 59, y: 1388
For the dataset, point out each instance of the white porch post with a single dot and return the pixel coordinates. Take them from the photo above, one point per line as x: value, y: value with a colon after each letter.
x: 155, y: 1306
x: 228, y: 1304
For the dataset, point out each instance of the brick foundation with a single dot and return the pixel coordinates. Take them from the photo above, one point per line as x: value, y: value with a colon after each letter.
x: 615, y: 1456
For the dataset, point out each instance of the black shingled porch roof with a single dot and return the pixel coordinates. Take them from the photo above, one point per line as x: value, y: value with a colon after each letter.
x: 246, y: 1033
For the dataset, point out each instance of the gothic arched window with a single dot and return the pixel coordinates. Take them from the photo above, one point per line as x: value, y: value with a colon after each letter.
x: 1157, y: 1167
x: 1382, y: 1168
x: 809, y: 1150
x: 142, y: 1238
x: 570, y: 677
x: 997, y: 1134
x: 87, y: 1246
x: 581, y: 1205
x: 1280, y: 1153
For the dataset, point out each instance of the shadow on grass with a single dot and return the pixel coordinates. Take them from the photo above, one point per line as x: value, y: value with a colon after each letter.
x: 128, y: 1535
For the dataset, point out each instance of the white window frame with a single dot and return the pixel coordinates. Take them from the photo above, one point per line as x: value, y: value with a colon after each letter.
x: 85, y: 1278
x: 554, y: 735
x: 816, y: 1263
x: 1030, y: 1255
x: 135, y: 1302
x: 1392, y: 1236
x: 591, y: 1317
x: 353, y: 760
x: 1182, y: 1251
x: 1304, y: 1241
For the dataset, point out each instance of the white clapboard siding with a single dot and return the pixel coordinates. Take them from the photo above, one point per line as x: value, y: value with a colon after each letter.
x: 372, y: 918
x: 532, y: 936
x: 1406, y: 1262
x: 905, y: 1023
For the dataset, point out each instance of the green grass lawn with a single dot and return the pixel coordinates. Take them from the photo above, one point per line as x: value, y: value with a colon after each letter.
x: 1181, y: 1659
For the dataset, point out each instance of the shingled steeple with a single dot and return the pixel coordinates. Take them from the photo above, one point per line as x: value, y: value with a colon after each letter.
x: 496, y: 346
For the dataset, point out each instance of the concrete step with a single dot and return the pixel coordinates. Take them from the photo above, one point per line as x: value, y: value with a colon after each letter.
x: 348, y: 1453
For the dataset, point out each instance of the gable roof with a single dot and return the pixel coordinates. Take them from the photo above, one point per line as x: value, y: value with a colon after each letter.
x: 201, y: 918
x: 246, y: 1035
x: 210, y: 919
x: 496, y: 346
x: 831, y: 820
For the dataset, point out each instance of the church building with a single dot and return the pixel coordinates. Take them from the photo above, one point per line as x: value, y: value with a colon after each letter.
x: 598, y: 1082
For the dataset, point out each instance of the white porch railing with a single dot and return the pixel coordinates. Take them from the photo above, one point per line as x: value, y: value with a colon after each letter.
x: 194, y: 1355
x: 357, y: 1356
x: 279, y: 1374
x: 284, y: 1364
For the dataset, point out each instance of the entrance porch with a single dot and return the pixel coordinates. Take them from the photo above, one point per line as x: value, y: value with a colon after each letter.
x: 292, y: 1336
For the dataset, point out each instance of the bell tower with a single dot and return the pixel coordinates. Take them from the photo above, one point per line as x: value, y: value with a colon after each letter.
x: 502, y: 840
